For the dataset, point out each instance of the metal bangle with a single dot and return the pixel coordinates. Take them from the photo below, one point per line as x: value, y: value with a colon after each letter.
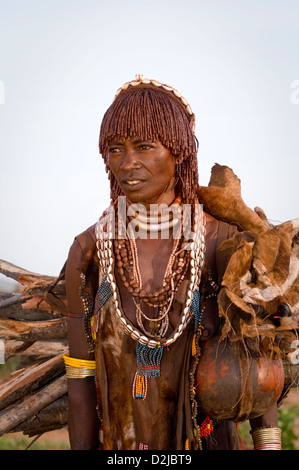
x: 76, y: 373
x: 266, y: 438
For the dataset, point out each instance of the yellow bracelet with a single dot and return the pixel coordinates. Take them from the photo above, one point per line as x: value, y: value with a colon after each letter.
x: 79, y: 363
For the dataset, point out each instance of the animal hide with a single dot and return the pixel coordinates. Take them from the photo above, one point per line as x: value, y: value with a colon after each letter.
x: 259, y: 296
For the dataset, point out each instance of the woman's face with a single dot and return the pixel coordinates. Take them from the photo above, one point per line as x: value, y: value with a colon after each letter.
x: 145, y: 170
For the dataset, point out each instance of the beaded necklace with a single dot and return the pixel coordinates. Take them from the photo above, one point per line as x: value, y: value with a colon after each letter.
x: 196, y: 249
x: 150, y: 346
x: 161, y: 300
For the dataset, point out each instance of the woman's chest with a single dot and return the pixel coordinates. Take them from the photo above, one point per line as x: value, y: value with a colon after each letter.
x: 152, y: 266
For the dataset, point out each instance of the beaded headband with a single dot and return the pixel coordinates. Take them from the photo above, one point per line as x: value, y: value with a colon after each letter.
x: 139, y: 80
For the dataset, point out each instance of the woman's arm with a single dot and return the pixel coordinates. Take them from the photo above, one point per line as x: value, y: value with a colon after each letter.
x: 83, y: 422
x: 268, y: 419
x: 265, y: 432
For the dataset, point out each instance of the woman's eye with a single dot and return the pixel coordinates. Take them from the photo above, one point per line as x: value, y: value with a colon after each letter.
x: 145, y: 147
x: 114, y: 150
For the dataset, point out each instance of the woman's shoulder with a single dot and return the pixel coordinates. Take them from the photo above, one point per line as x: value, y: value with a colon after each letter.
x: 87, y: 237
x: 82, y: 258
x: 83, y: 246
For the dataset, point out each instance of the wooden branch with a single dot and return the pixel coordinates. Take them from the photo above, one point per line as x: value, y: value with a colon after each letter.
x: 30, y: 378
x: 41, y: 297
x: 33, y: 281
x: 6, y: 295
x: 16, y: 307
x: 291, y: 373
x: 28, y: 407
x: 53, y: 416
x: 15, y: 272
x: 38, y: 348
x: 33, y: 326
x: 12, y: 300
x: 14, y: 347
x: 32, y: 331
x: 31, y: 307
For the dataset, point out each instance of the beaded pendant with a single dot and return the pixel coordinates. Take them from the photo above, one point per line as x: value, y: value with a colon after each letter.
x: 103, y: 294
x: 148, y: 365
x: 196, y: 312
x: 195, y: 308
x: 88, y: 312
x: 207, y: 426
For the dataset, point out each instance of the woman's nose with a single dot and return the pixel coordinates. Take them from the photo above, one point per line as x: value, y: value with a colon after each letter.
x: 130, y: 160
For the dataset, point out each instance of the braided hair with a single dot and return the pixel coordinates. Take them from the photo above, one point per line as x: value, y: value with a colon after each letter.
x: 149, y: 113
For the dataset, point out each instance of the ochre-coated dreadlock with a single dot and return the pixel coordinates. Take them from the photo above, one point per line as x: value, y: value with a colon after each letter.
x: 149, y: 113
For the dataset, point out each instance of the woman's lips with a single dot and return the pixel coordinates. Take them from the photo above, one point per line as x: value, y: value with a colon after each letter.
x: 133, y: 184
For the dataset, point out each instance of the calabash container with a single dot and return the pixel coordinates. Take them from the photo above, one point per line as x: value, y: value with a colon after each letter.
x: 234, y: 385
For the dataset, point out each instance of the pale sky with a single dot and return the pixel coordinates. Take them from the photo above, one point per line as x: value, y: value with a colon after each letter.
x: 61, y: 63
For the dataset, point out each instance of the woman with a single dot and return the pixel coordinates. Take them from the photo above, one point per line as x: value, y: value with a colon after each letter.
x: 142, y: 287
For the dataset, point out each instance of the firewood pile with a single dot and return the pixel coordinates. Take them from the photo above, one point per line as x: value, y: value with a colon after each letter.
x: 33, y: 399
